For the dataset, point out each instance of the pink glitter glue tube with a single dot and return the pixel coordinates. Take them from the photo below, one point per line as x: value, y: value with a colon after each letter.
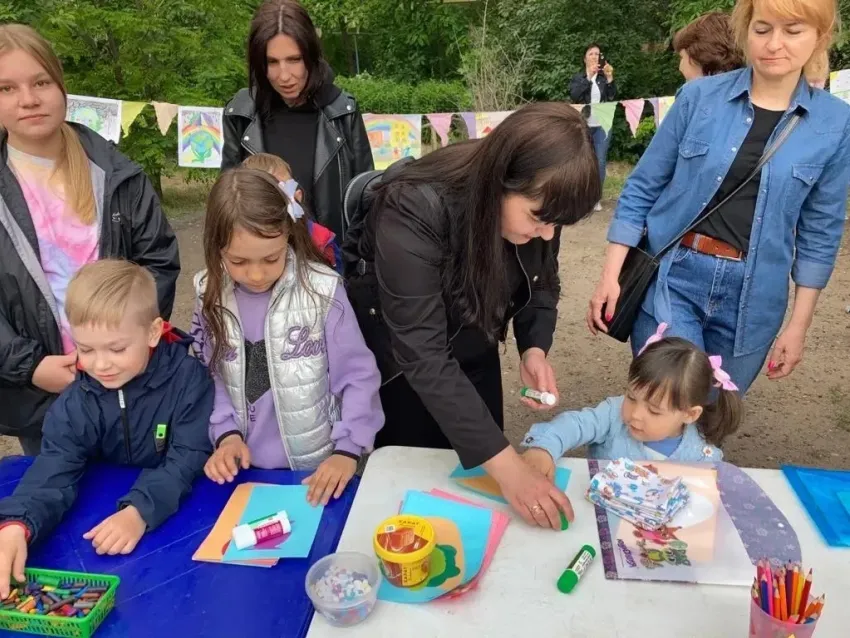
x: 261, y: 530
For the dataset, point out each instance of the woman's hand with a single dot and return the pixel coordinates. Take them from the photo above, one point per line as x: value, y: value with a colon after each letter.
x: 608, y: 70
x: 604, y: 298
x: 541, y: 461
x: 55, y: 372
x: 786, y: 354
x: 529, y: 492
x: 537, y: 373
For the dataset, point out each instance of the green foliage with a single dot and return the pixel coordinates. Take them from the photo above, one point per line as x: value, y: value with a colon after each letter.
x: 179, y: 51
x: 685, y: 11
x: 375, y: 95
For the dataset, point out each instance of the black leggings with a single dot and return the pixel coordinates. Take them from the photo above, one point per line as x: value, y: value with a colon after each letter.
x: 408, y: 422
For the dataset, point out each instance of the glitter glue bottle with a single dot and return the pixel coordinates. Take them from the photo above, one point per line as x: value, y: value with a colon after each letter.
x: 261, y: 530
x: 569, y: 579
x: 546, y: 398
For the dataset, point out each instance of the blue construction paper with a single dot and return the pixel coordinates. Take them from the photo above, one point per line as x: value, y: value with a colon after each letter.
x: 267, y: 500
x: 562, y: 479
x: 473, y: 526
x: 844, y: 498
x: 820, y: 492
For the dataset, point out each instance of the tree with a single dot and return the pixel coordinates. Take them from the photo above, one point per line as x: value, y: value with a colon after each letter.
x: 180, y: 51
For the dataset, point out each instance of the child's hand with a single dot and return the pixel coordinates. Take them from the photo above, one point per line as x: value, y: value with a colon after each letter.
x: 13, y: 557
x: 541, y: 461
x: 330, y: 477
x: 118, y: 534
x: 225, y: 462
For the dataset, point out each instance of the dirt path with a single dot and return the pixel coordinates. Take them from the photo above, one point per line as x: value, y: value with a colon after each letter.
x: 804, y: 419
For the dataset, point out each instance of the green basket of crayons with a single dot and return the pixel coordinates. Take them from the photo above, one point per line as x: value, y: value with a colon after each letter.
x: 59, y: 603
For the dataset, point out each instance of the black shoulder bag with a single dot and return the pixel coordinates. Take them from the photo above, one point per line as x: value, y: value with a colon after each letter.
x: 640, y: 267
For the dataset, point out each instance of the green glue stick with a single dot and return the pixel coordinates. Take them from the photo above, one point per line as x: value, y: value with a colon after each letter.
x: 546, y: 398
x: 569, y: 579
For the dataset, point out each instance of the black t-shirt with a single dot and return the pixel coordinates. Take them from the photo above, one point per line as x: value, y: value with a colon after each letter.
x: 734, y: 222
x: 290, y: 133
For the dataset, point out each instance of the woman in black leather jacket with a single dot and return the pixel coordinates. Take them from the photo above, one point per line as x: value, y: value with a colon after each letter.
x: 292, y: 109
x: 457, y: 246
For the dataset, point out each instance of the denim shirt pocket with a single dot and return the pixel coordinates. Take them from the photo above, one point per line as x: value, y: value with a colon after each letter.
x: 798, y: 188
x: 692, y: 156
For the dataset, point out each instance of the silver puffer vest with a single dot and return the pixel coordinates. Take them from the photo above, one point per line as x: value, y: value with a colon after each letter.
x: 297, y: 357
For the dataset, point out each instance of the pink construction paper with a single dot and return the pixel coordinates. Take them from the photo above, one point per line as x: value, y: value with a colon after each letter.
x: 497, y: 530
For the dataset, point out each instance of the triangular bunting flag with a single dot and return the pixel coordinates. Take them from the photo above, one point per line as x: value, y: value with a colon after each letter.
x: 129, y: 112
x: 165, y: 114
x: 441, y: 123
x: 664, y: 104
x: 634, y: 109
x: 654, y: 102
x: 603, y: 112
x: 469, y: 120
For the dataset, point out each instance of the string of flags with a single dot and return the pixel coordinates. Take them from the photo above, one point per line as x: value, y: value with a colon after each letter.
x: 200, y: 136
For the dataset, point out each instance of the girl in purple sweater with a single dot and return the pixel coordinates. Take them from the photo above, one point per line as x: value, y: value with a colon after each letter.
x: 296, y: 385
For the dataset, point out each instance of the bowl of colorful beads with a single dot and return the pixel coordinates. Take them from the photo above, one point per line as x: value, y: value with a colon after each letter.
x: 344, y: 587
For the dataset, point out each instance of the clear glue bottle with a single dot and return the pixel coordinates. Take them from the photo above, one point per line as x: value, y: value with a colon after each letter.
x: 261, y: 530
x: 546, y: 398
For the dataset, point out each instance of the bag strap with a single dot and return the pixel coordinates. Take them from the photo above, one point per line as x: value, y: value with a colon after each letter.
x: 764, y: 159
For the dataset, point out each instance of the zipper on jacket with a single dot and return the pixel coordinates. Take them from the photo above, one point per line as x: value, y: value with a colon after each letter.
x: 125, y: 421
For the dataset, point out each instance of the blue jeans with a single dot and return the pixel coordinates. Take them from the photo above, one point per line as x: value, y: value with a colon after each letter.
x: 705, y: 293
x: 600, y: 145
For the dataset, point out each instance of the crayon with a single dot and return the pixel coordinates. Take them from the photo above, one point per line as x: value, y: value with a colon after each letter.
x: 807, y: 589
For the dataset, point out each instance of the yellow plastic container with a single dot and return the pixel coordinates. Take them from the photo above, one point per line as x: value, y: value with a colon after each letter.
x: 404, y: 545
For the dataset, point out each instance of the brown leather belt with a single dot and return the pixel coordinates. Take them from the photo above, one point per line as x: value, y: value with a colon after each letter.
x: 711, y: 246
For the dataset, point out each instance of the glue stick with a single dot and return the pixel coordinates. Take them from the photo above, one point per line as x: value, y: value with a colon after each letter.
x: 569, y: 579
x: 260, y: 530
x: 546, y: 398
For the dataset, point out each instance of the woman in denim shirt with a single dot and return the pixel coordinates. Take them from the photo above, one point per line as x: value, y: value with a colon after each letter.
x: 725, y: 287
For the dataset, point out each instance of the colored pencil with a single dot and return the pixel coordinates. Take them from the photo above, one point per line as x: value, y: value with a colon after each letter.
x: 763, y: 591
x: 783, y: 599
x: 777, y: 604
x: 789, y: 585
x: 769, y: 595
x: 759, y: 569
x: 795, y: 583
x: 807, y: 589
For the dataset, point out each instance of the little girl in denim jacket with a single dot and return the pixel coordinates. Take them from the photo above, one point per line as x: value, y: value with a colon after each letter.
x: 679, y: 405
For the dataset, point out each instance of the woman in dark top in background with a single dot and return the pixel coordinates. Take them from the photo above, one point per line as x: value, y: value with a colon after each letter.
x: 457, y: 245
x: 292, y: 109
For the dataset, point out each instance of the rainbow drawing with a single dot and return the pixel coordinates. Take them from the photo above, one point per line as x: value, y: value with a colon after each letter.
x: 199, y: 137
x: 393, y: 137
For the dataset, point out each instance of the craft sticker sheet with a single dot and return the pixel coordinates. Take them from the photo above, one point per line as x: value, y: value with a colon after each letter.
x: 200, y: 137
x: 712, y: 540
x: 101, y: 115
x: 393, y: 137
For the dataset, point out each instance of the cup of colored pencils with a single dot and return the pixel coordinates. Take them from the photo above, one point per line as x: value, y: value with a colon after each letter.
x: 782, y: 602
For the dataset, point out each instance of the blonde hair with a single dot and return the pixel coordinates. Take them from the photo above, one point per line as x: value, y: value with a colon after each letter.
x: 821, y: 14
x: 270, y: 164
x: 73, y: 163
x: 103, y: 292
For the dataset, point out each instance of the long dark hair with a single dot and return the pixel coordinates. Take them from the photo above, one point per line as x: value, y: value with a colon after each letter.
x: 283, y: 17
x: 675, y: 368
x: 542, y: 151
x: 251, y: 199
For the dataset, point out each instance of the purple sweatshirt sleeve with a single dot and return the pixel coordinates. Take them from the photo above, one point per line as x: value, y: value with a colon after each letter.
x: 354, y: 377
x: 223, y: 417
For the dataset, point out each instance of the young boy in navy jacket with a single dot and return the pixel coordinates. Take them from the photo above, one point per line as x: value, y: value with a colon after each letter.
x: 139, y: 399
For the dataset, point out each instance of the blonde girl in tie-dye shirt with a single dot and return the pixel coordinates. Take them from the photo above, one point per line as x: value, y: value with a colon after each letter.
x: 65, y: 242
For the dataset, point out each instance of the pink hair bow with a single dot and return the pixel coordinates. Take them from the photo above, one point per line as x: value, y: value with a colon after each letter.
x: 723, y: 379
x: 658, y: 336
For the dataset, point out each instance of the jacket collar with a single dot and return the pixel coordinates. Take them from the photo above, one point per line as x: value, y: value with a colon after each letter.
x: 743, y: 85
x: 243, y: 105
